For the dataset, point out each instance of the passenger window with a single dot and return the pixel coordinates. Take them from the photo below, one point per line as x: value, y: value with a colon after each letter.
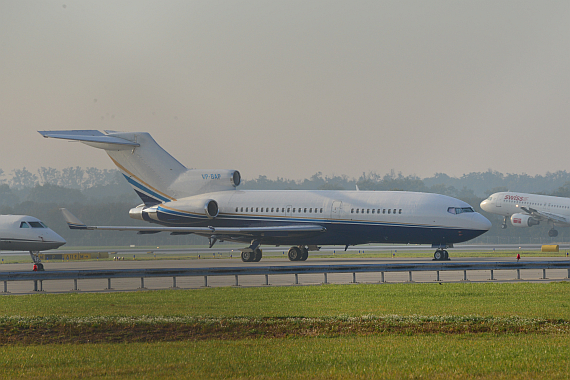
x: 389, y: 211
x: 368, y: 211
x: 373, y: 210
x: 24, y: 225
x: 394, y: 211
x: 257, y: 209
x: 310, y: 210
x: 293, y: 209
x: 357, y: 210
x: 378, y: 211
x: 321, y: 210
x: 400, y: 211
x: 383, y: 211
x: 288, y: 209
x: 246, y: 209
x: 305, y: 210
x: 241, y: 209
x: 237, y: 208
x: 352, y: 211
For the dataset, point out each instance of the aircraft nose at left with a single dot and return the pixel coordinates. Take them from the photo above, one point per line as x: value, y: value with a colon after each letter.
x: 53, y: 239
x: 481, y: 223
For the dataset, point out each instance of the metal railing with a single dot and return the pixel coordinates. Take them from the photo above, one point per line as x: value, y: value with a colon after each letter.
x: 437, y: 267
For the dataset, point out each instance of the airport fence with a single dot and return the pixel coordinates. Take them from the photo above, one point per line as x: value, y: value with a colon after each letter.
x: 37, y: 278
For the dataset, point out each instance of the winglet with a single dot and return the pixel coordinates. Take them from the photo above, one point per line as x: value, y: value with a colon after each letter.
x: 72, y: 221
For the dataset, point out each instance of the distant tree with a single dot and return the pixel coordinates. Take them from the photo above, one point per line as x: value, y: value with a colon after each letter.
x: 49, y: 175
x: 22, y: 178
x: 49, y: 193
x: 72, y: 177
x: 7, y: 196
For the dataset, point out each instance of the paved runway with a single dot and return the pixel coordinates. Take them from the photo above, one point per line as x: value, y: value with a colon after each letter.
x: 26, y: 287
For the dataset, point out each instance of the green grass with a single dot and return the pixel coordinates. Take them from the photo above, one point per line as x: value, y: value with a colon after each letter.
x: 393, y: 357
x: 532, y: 300
x: 510, y: 354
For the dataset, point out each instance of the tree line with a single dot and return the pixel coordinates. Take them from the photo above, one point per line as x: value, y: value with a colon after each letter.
x: 103, y: 197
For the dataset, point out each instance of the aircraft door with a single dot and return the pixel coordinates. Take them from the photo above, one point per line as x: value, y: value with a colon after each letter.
x: 498, y: 202
x: 336, y: 209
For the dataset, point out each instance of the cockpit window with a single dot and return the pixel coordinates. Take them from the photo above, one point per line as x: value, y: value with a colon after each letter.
x: 459, y: 210
x: 24, y: 225
x: 36, y: 225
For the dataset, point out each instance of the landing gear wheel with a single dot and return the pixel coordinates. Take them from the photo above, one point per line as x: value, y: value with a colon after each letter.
x: 247, y: 257
x: 553, y: 233
x: 503, y: 226
x: 304, y: 254
x: 294, y: 254
x: 438, y: 255
x: 445, y: 255
x: 257, y: 255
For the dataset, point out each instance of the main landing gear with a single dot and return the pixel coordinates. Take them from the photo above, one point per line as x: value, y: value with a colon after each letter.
x: 251, y: 256
x: 504, y: 225
x: 441, y: 255
x: 299, y: 253
x: 552, y: 233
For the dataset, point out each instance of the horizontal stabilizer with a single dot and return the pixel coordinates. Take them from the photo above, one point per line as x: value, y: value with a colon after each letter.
x: 90, y: 136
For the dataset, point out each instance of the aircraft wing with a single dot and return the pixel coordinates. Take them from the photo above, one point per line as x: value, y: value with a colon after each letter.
x: 546, y: 216
x: 219, y: 232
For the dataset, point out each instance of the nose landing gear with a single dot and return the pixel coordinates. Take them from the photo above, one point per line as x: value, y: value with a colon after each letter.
x: 38, y: 266
x: 441, y: 255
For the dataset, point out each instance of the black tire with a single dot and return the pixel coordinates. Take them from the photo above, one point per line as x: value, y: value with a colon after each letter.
x: 553, y: 233
x: 503, y: 226
x: 294, y: 254
x: 247, y: 257
x: 445, y: 255
x: 438, y: 255
x: 257, y: 255
x: 304, y: 254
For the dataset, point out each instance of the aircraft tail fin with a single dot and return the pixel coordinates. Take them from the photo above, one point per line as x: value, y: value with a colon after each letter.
x: 72, y: 221
x: 154, y: 174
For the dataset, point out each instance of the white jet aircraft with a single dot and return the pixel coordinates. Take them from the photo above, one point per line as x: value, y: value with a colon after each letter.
x: 207, y: 202
x: 527, y: 210
x: 26, y: 233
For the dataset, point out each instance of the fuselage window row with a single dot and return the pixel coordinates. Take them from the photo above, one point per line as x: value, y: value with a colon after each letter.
x: 384, y: 211
x: 309, y: 210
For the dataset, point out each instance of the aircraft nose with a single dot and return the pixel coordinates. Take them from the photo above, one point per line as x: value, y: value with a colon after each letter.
x: 55, y: 240
x: 485, y: 205
x: 481, y: 223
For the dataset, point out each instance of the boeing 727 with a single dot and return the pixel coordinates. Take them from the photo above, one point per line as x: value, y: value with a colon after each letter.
x: 527, y: 210
x: 26, y: 233
x: 207, y: 203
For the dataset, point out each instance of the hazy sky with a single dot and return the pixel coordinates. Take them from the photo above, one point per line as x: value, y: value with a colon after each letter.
x: 290, y: 88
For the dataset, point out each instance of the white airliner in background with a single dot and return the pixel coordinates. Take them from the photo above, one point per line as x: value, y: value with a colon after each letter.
x: 26, y: 233
x: 527, y: 210
x: 208, y: 203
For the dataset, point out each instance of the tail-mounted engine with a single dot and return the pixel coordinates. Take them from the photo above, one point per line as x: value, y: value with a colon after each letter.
x: 177, y: 211
x: 523, y: 220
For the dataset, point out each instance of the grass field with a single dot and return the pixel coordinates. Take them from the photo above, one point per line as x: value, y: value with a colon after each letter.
x: 470, y: 330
